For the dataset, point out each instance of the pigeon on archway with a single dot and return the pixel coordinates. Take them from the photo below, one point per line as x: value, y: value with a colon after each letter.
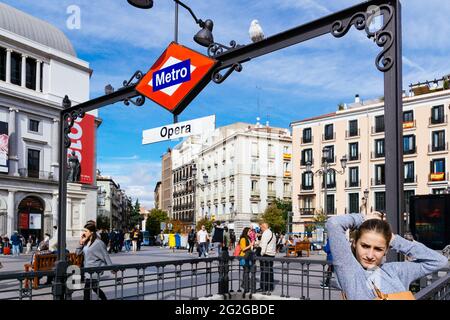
x: 256, y: 33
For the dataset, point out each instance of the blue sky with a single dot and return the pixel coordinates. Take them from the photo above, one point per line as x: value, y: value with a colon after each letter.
x: 299, y: 82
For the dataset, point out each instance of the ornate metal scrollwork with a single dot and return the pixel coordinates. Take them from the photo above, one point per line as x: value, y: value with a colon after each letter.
x: 139, y: 101
x: 138, y: 75
x: 216, y: 49
x: 218, y: 78
x: 383, y: 39
x: 69, y: 120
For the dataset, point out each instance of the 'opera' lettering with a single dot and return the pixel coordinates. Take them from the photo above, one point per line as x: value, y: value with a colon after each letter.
x: 169, y: 132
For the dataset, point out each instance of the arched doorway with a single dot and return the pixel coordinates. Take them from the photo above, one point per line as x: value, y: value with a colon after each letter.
x: 31, y: 218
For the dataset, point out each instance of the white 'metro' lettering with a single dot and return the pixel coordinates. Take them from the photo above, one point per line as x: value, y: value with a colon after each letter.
x: 164, y: 77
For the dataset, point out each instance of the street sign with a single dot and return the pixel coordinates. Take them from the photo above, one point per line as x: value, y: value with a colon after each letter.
x: 176, y: 78
x: 162, y: 226
x: 198, y: 126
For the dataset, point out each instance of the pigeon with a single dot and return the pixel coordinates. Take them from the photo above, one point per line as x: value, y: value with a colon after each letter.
x: 256, y: 33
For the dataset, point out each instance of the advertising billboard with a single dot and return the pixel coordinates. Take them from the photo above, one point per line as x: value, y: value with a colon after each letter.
x: 82, y: 137
x: 35, y: 221
x: 4, y: 146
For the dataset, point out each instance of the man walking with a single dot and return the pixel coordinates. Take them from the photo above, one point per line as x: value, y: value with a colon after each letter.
x: 268, y: 250
x: 202, y: 238
x: 15, y: 240
x: 217, y: 238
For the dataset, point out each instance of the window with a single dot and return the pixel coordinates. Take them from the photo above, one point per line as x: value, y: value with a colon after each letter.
x: 270, y: 186
x: 438, y: 166
x: 307, y: 156
x: 254, y: 185
x: 408, y: 116
x: 307, y: 181
x: 329, y: 133
x: 353, y: 151
x: 286, y: 188
x: 42, y: 77
x: 353, y: 177
x: 33, y: 125
x: 379, y: 175
x: 307, y: 135
x: 255, y: 166
x: 409, y: 144
x: 31, y: 73
x: 408, y: 195
x: 271, y: 168
x: 254, y: 149
x: 437, y: 114
x: 33, y: 163
x: 16, y: 68
x: 3, y: 64
x: 379, y: 124
x: 330, y: 158
x: 286, y: 167
x: 379, y: 148
x: 353, y: 203
x: 380, y: 201
x: 271, y: 151
x: 409, y: 172
x: 438, y: 143
x: 330, y: 204
x: 308, y: 203
x: 286, y: 149
x: 353, y: 128
x: 330, y: 179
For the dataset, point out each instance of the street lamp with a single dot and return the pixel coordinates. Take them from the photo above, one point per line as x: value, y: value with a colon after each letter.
x: 325, y: 169
x: 204, y: 37
x: 365, y: 200
x: 195, y: 185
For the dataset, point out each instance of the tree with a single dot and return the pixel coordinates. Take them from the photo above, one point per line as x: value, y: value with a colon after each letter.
x: 102, y: 222
x: 205, y: 222
x: 274, y: 217
x: 320, y: 218
x: 135, y: 218
x: 154, y: 219
x: 177, y: 226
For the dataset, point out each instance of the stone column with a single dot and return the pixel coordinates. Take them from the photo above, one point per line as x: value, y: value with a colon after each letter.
x: 11, y: 224
x: 55, y: 146
x: 38, y: 75
x: 13, y: 143
x: 23, y: 81
x: 8, y: 65
x: 55, y: 210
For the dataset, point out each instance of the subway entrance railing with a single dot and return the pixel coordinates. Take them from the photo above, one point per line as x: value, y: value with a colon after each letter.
x: 207, y: 278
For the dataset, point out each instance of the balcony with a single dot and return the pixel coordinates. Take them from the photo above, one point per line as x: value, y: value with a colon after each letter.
x: 306, y: 187
x: 307, y: 140
x: 41, y: 175
x: 376, y: 155
x: 352, y: 134
x: 329, y: 137
x: 410, y: 151
x: 409, y: 125
x: 438, y: 176
x: 287, y: 156
x: 438, y: 121
x: 329, y: 185
x: 438, y: 148
x: 307, y: 211
x: 377, y: 182
x: 287, y: 194
x: 287, y: 174
x: 255, y: 171
x: 303, y: 162
x: 377, y: 129
x: 223, y: 195
x: 231, y: 172
x: 255, y: 193
x: 354, y: 158
x: 410, y: 179
x: 353, y: 184
x: 271, y: 194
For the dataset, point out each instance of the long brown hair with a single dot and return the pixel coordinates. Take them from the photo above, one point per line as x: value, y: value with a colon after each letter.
x: 375, y: 225
x: 91, y: 226
x: 244, y: 234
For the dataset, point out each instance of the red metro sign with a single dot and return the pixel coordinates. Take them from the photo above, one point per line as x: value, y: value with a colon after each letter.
x: 178, y: 76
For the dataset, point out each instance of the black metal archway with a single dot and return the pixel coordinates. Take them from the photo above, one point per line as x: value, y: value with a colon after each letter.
x: 231, y: 58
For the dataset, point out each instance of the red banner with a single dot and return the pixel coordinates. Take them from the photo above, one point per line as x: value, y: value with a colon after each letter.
x: 82, y: 137
x: 23, y: 221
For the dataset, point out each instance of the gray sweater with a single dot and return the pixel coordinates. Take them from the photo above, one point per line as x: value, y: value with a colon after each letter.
x: 95, y: 255
x: 357, y: 282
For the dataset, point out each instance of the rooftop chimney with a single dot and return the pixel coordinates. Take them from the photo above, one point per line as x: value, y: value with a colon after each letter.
x: 357, y: 99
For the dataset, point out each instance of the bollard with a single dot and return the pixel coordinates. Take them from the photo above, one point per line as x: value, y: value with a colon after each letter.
x: 224, y: 269
x: 59, y: 287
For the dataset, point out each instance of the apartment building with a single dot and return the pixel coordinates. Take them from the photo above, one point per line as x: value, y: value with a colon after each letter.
x: 357, y: 132
x: 166, y: 182
x: 241, y: 169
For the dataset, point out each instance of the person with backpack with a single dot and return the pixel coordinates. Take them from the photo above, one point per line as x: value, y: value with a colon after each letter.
x: 191, y: 241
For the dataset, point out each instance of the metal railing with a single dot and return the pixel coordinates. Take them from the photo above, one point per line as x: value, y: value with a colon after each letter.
x: 42, y: 175
x: 196, y: 279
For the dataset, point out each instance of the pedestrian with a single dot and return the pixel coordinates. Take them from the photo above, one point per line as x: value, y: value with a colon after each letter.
x: 217, y: 237
x: 360, y: 269
x: 232, y: 240
x: 161, y: 239
x: 330, y: 269
x: 268, y: 251
x: 95, y: 255
x: 245, y: 257
x: 135, y: 238
x: 29, y: 244
x: 226, y: 239
x: 140, y: 239
x: 127, y: 241
x: 15, y: 240
x: 202, y: 240
x: 191, y: 241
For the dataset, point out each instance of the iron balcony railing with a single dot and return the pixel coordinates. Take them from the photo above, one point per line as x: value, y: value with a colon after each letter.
x: 42, y: 175
x: 193, y: 279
